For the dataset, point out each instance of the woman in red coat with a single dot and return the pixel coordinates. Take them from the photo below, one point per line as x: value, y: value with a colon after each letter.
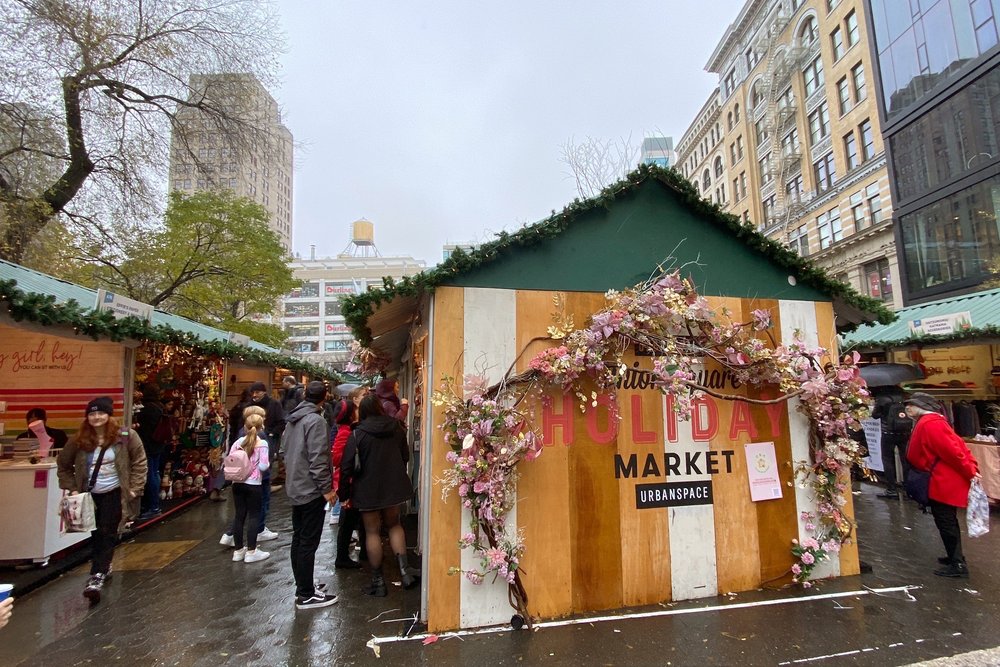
x: 934, y: 446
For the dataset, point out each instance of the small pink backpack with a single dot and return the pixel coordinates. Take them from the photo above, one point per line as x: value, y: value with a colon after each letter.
x: 237, y: 467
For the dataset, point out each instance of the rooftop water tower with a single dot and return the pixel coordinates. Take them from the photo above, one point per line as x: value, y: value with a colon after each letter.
x: 362, y: 240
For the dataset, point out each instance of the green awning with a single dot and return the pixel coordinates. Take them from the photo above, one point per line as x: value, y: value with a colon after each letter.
x: 968, y: 319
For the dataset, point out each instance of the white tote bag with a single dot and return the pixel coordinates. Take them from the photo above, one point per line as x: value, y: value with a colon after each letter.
x: 77, y: 512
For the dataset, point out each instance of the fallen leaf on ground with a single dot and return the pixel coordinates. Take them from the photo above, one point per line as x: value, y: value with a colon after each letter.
x: 430, y: 639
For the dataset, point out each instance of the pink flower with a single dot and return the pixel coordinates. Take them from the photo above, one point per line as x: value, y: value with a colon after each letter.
x: 807, y: 584
x: 796, y: 569
x: 761, y: 319
x: 808, y: 558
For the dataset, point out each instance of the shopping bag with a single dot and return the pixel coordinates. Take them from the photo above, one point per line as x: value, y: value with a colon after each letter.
x: 77, y: 511
x: 978, y: 512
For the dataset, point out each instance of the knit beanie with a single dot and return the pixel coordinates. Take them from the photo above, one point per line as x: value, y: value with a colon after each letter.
x: 258, y: 386
x: 925, y: 402
x: 101, y: 404
x: 315, y: 392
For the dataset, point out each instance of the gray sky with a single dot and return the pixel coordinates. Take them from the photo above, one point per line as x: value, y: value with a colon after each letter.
x: 443, y: 121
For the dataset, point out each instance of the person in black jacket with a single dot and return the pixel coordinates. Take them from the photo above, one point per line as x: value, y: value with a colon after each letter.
x: 379, y: 485
x: 896, y: 428
x: 148, y: 420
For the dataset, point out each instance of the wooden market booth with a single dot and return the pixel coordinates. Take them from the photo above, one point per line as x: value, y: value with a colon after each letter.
x: 955, y: 343
x: 57, y: 353
x: 589, y: 546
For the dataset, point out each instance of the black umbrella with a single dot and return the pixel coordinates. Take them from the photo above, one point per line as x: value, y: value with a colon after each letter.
x: 884, y: 375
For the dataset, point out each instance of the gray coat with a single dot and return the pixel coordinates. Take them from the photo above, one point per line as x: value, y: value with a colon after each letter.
x: 306, y: 443
x: 130, y: 461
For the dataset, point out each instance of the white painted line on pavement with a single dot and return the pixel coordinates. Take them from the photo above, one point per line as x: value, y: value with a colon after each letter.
x: 378, y: 641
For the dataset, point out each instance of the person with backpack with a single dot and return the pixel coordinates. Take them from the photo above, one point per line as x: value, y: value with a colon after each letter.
x: 153, y: 425
x: 108, y: 461
x: 350, y: 519
x: 896, y: 428
x: 248, y: 459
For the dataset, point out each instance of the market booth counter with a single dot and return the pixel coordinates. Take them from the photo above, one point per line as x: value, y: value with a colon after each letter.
x: 627, y: 505
x: 956, y: 345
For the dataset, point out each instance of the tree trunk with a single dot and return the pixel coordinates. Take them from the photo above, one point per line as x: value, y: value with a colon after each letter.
x: 20, y: 222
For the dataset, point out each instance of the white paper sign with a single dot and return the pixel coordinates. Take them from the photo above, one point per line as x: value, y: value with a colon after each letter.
x: 873, y: 433
x: 123, y: 306
x: 762, y: 471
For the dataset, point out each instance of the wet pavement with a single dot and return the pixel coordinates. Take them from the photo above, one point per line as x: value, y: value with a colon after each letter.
x: 177, y: 599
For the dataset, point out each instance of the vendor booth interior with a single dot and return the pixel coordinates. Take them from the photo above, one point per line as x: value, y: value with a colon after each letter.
x: 634, y: 499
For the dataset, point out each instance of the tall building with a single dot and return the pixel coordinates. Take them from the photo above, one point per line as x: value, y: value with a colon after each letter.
x: 938, y: 90
x: 311, y: 316
x: 250, y: 152
x: 658, y: 151
x: 790, y: 140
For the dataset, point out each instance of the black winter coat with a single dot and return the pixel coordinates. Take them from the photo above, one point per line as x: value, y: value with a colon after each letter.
x: 382, y: 481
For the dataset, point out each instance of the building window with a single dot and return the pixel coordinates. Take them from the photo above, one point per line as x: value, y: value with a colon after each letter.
x: 743, y: 184
x: 736, y: 189
x: 796, y: 4
x: 874, y: 203
x: 858, y: 211
x: 825, y: 173
x: 837, y: 41
x: 851, y: 23
x: 769, y: 208
x: 799, y: 241
x: 819, y: 124
x: 760, y: 129
x: 808, y: 33
x: 844, y: 95
x: 732, y: 152
x: 831, y: 5
x: 794, y: 189
x: 736, y: 113
x: 706, y: 179
x: 756, y: 98
x: 986, y: 27
x: 739, y: 147
x: 729, y: 85
x: 719, y: 167
x: 765, y: 170
x: 851, y: 151
x: 752, y: 59
x: 877, y: 280
x: 790, y: 142
x: 746, y: 217
x: 813, y: 76
x: 858, y: 76
x: 829, y: 228
x: 867, y: 140
x: 787, y: 99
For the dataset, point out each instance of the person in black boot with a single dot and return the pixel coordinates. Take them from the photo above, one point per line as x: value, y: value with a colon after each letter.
x: 896, y: 428
x: 380, y: 485
x: 345, y: 415
x: 936, y: 448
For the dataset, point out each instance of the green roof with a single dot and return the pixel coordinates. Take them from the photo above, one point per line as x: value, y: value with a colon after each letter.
x: 983, y: 308
x: 617, y: 239
x: 49, y: 301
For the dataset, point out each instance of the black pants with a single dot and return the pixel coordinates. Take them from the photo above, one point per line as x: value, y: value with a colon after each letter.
x: 890, y: 443
x: 307, y: 528
x: 108, y: 515
x: 946, y: 520
x: 248, y: 499
x: 350, y: 520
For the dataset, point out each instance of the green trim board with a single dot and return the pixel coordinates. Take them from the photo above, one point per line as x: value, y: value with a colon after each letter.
x: 984, y: 314
x: 620, y: 246
x: 675, y: 213
x: 36, y: 297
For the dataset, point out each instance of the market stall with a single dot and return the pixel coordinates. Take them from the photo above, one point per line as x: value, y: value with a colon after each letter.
x: 955, y: 343
x: 58, y: 351
x: 628, y: 504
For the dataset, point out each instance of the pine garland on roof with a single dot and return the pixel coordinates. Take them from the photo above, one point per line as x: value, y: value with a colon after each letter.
x: 918, y: 340
x: 358, y: 308
x: 43, y: 309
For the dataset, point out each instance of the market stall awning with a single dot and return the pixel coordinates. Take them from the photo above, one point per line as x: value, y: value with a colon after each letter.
x: 35, y: 282
x: 968, y: 318
x: 390, y: 325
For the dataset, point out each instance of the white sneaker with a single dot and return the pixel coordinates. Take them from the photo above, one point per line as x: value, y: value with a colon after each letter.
x: 334, y: 519
x: 266, y: 535
x: 239, y: 554
x: 227, y: 540
x: 256, y: 555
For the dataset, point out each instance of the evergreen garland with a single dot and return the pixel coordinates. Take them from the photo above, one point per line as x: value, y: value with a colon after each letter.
x: 970, y: 336
x: 97, y: 324
x: 358, y: 308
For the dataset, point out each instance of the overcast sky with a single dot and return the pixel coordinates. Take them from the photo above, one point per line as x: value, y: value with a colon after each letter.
x: 443, y: 121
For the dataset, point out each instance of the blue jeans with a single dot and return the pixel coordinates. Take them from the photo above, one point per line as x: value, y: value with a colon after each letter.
x: 151, y: 497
